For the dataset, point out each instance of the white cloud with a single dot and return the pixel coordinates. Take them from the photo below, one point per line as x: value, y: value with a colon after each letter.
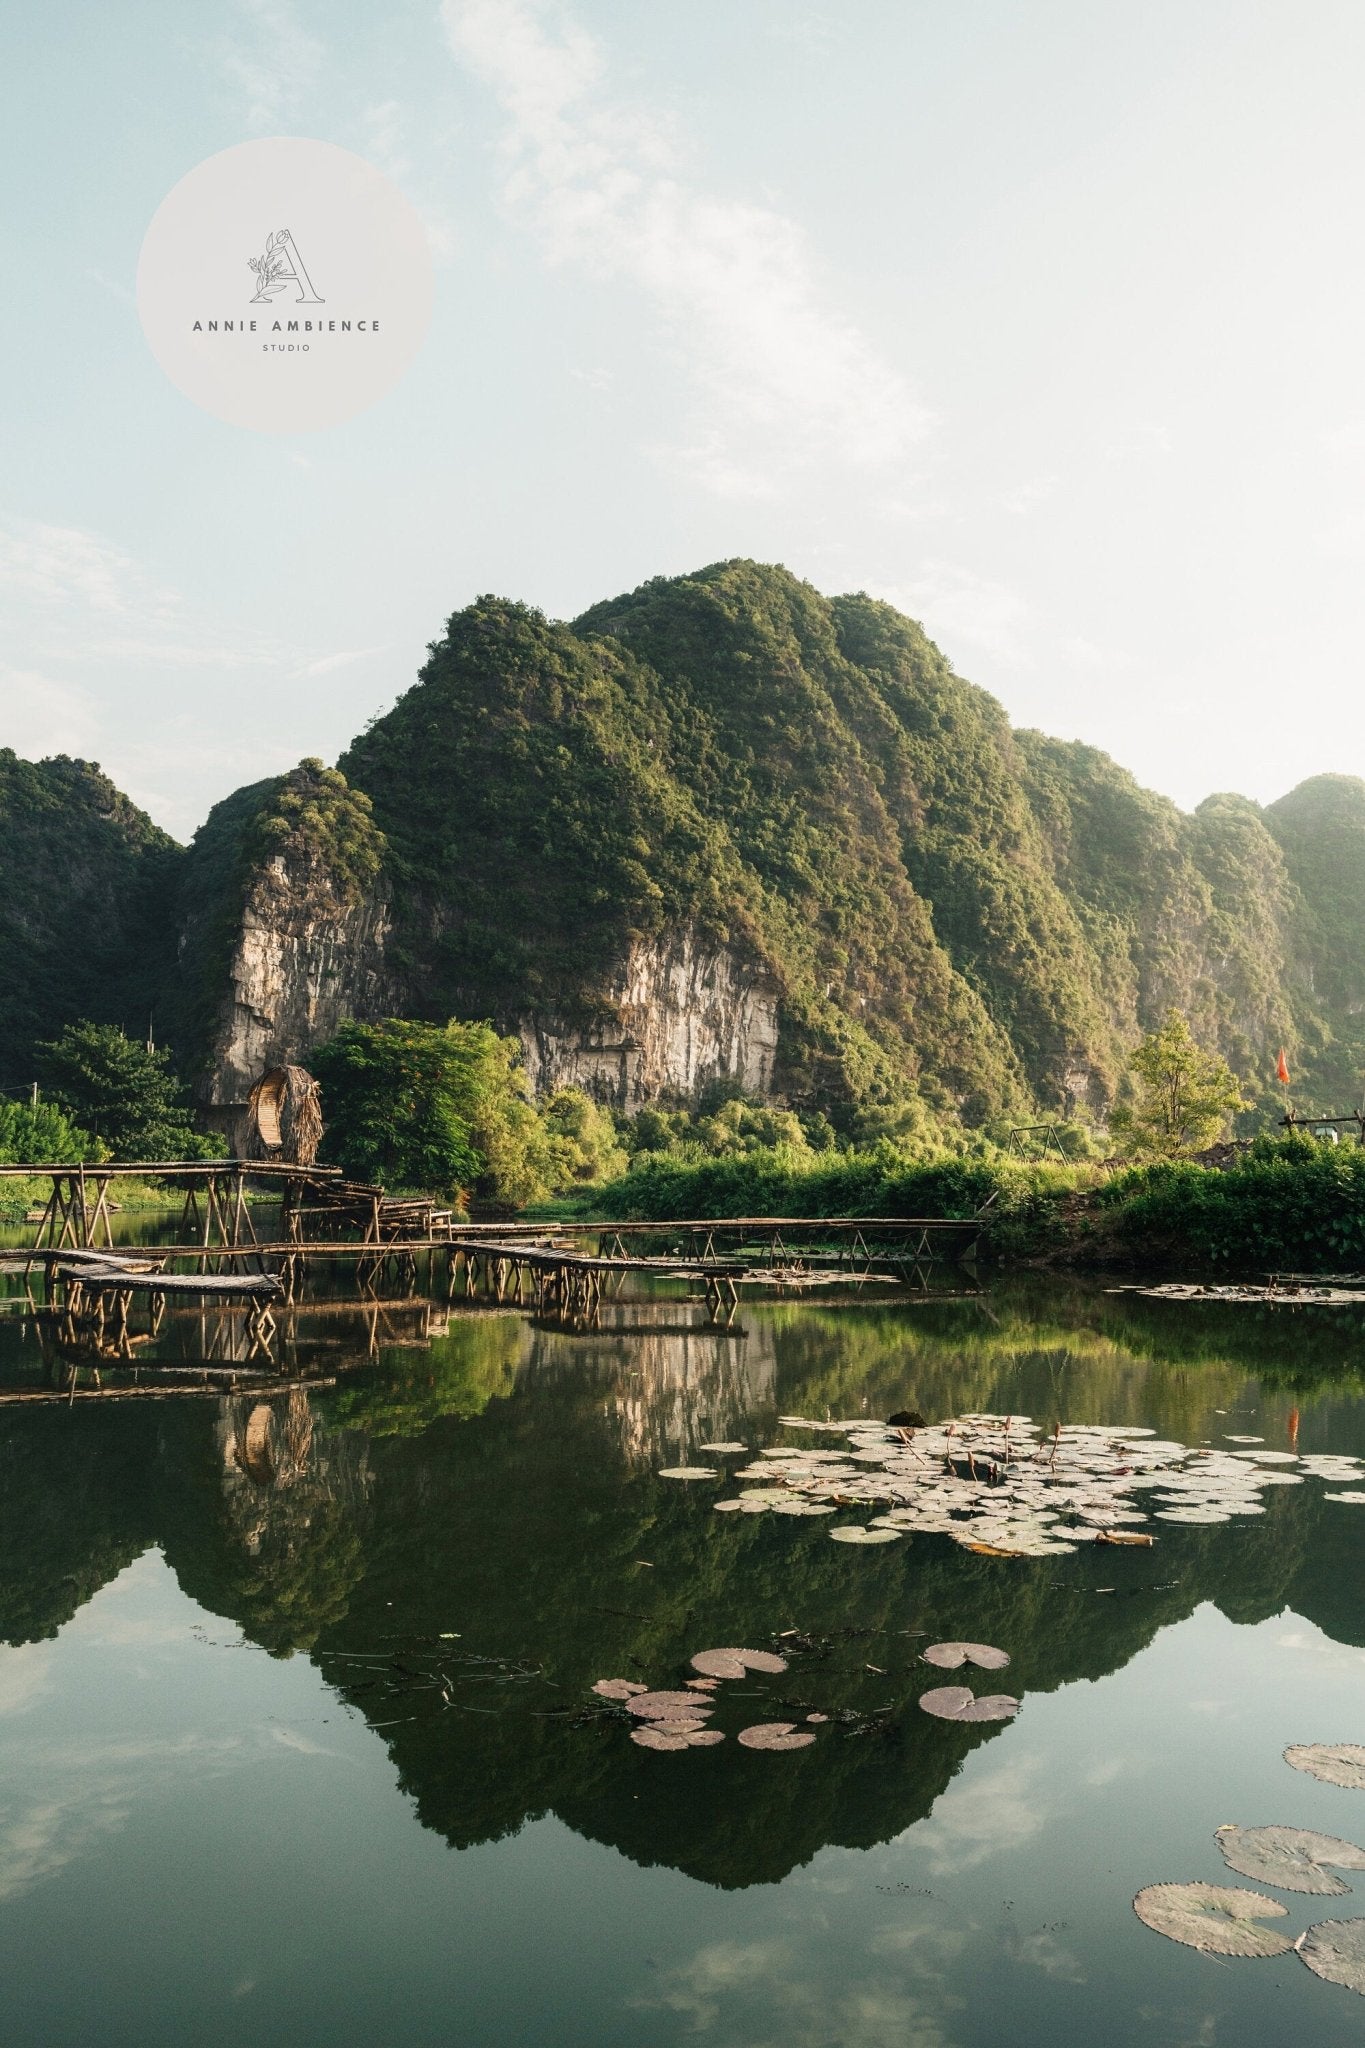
x: 758, y: 1993
x: 39, y: 716
x: 956, y: 605
x: 385, y: 132
x: 1139, y: 441
x: 272, y: 60
x: 325, y: 664
x: 25, y: 1677
x: 993, y: 1812
x: 785, y: 380
x: 64, y: 565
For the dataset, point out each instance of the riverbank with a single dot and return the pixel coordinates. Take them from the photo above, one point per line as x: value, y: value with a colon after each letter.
x: 1284, y: 1203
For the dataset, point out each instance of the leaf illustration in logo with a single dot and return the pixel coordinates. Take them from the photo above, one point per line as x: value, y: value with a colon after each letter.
x: 269, y: 244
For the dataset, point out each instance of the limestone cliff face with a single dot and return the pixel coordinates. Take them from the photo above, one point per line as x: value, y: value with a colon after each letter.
x: 679, y: 1014
x: 308, y: 954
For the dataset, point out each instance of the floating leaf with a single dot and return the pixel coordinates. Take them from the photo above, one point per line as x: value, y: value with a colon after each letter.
x: 702, y: 1738
x: 1336, y: 1763
x: 1356, y: 1499
x: 654, y: 1738
x: 665, y: 1706
x: 688, y: 1472
x: 775, y: 1735
x: 683, y: 1724
x: 728, y: 1507
x: 1214, y: 1918
x: 990, y: 1706
x: 854, y: 1533
x: 618, y: 1688
x: 722, y: 1450
x: 813, y: 1718
x: 730, y: 1663
x: 1291, y: 1858
x: 1335, y: 1949
x: 701, y: 1684
x: 949, y: 1656
x: 946, y: 1702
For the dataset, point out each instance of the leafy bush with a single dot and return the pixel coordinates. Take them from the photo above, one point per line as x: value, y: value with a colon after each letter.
x: 41, y: 1134
x: 1288, y: 1203
x: 438, y: 1107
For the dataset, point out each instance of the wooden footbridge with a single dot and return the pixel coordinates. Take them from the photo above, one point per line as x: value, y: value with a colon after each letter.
x: 562, y: 1268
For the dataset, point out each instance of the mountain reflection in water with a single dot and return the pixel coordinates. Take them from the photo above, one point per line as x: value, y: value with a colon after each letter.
x: 467, y: 1532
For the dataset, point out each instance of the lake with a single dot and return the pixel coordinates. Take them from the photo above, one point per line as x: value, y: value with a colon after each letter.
x: 298, y: 1743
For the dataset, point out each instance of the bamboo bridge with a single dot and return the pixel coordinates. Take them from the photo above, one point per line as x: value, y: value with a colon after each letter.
x: 389, y: 1244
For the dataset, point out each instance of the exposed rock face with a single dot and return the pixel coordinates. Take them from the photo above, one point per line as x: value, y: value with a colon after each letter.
x: 309, y: 954
x: 681, y: 1014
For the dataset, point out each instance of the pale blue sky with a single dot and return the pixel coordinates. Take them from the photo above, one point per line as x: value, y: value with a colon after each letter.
x: 1041, y: 319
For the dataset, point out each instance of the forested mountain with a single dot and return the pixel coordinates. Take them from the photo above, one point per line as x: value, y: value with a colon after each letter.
x: 722, y: 827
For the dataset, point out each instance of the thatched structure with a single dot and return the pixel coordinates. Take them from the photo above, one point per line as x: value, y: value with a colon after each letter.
x: 283, y: 1118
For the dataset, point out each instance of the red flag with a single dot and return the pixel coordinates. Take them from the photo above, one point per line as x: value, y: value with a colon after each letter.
x: 1282, y: 1069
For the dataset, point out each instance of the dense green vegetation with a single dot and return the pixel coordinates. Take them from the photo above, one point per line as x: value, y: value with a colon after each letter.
x: 87, y: 918
x: 963, y: 926
x: 124, y: 1093
x: 437, y: 1107
x: 1288, y: 1203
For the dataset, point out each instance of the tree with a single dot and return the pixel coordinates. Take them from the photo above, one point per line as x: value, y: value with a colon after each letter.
x: 585, y: 1142
x: 121, y: 1091
x: 437, y: 1107
x: 40, y: 1134
x: 1183, y: 1095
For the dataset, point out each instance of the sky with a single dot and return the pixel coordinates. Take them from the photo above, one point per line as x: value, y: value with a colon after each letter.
x: 1042, y: 319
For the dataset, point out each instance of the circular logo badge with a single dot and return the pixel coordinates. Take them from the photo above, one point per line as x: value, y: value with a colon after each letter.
x: 284, y: 285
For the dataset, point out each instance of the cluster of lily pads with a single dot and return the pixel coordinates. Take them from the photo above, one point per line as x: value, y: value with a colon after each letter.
x: 678, y: 1719
x: 1225, y: 1920
x: 1003, y: 1487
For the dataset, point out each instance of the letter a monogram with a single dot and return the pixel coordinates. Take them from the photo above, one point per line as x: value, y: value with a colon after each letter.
x: 281, y: 265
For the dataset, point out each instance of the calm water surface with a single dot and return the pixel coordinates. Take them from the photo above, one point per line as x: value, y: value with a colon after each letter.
x: 292, y: 1741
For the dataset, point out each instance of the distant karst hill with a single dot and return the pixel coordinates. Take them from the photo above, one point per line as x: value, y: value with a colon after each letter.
x: 722, y: 827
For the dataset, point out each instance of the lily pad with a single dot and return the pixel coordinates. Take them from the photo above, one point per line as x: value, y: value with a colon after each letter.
x: 729, y: 1507
x: 775, y: 1735
x: 688, y: 1472
x: 946, y: 1702
x: 731, y: 1663
x: 666, y: 1706
x: 722, y: 1450
x: 949, y: 1656
x: 618, y: 1688
x: 703, y: 1738
x: 1356, y: 1499
x: 1335, y: 1949
x: 990, y: 1706
x: 1336, y: 1763
x: 1213, y: 1918
x: 854, y: 1533
x: 654, y: 1738
x: 1291, y: 1858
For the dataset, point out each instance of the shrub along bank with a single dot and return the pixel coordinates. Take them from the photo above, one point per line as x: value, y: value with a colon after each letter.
x: 1284, y: 1204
